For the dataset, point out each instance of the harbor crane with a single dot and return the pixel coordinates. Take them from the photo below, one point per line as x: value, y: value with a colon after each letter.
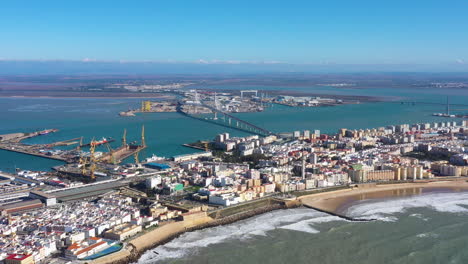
x: 135, y: 156
x: 92, y: 160
x: 111, y: 153
x: 146, y: 106
x: 89, y: 161
x: 124, y: 138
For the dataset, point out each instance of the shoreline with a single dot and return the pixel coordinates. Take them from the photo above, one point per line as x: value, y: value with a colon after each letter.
x: 332, y: 202
x: 78, y: 97
x: 338, y: 201
x: 135, y: 248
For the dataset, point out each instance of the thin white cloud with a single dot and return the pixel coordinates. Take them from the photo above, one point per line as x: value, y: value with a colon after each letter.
x: 88, y: 60
x: 460, y: 61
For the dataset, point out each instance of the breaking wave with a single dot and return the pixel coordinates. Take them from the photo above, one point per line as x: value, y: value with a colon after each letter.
x: 299, y: 219
x: 304, y: 220
x: 455, y: 202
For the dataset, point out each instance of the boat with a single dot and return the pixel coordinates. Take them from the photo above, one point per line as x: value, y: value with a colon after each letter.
x: 444, y: 115
x: 46, y: 131
x: 154, y: 158
x: 127, y: 113
x: 99, y: 142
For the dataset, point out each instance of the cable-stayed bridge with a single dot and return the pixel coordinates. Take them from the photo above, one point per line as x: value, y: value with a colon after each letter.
x: 225, y: 119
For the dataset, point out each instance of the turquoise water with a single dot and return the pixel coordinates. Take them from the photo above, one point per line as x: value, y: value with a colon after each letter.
x: 166, y: 132
x: 423, y: 229
x: 107, y: 251
x: 430, y: 228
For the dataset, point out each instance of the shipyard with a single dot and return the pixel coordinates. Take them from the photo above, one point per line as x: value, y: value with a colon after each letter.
x: 130, y: 200
x: 234, y: 132
x: 231, y: 177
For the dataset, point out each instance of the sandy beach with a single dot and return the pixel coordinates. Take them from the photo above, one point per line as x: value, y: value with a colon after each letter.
x: 337, y: 201
x: 333, y: 201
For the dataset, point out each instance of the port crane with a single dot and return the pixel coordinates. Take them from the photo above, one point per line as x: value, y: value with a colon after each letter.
x: 146, y: 106
x: 92, y: 160
x: 143, y: 142
x: 89, y: 161
x: 124, y: 138
x: 143, y: 145
x: 111, y: 153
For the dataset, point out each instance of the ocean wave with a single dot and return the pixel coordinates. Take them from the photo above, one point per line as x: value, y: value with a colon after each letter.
x: 306, y: 225
x: 427, y: 235
x: 303, y: 220
x: 385, y: 210
x: 420, y: 216
x: 299, y: 219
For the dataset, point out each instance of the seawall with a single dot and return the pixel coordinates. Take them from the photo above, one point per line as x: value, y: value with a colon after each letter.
x: 165, y: 233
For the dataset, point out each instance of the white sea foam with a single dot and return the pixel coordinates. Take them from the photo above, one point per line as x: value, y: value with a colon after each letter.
x: 385, y: 210
x: 420, y: 216
x: 299, y: 219
x: 303, y: 220
x: 426, y: 235
x: 306, y: 224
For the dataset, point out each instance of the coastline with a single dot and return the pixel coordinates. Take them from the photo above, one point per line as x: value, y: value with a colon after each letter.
x: 333, y: 202
x: 136, y: 247
x: 337, y: 201
x: 82, y: 97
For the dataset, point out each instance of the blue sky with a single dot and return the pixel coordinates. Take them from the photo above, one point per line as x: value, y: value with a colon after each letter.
x: 311, y: 32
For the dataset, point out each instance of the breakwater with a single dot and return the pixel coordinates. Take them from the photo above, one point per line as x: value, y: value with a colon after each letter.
x: 164, y: 234
x: 347, y: 218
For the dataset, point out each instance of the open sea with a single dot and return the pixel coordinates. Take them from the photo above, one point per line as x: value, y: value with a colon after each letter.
x: 428, y: 228
x: 166, y: 132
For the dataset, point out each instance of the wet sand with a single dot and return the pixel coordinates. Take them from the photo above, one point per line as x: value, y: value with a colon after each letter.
x: 338, y: 201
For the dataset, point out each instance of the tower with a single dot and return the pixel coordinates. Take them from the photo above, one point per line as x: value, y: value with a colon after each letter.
x: 196, y: 99
x: 303, y: 166
x: 135, y: 156
x: 143, y: 143
x: 216, y: 107
x: 145, y: 106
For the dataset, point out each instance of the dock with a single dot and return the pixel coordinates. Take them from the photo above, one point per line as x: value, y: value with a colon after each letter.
x: 193, y: 146
x: 11, y: 142
x: 18, y: 137
x: 118, y: 155
x: 110, y: 140
x: 28, y: 150
x: 342, y: 216
x: 64, y: 142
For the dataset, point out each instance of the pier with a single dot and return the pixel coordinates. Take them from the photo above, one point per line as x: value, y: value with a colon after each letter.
x: 342, y: 216
x: 118, y: 155
x: 12, y: 142
x: 31, y: 150
x: 124, y: 151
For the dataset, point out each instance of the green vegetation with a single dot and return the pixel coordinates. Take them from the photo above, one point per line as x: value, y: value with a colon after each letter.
x: 192, y: 188
x: 253, y: 159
